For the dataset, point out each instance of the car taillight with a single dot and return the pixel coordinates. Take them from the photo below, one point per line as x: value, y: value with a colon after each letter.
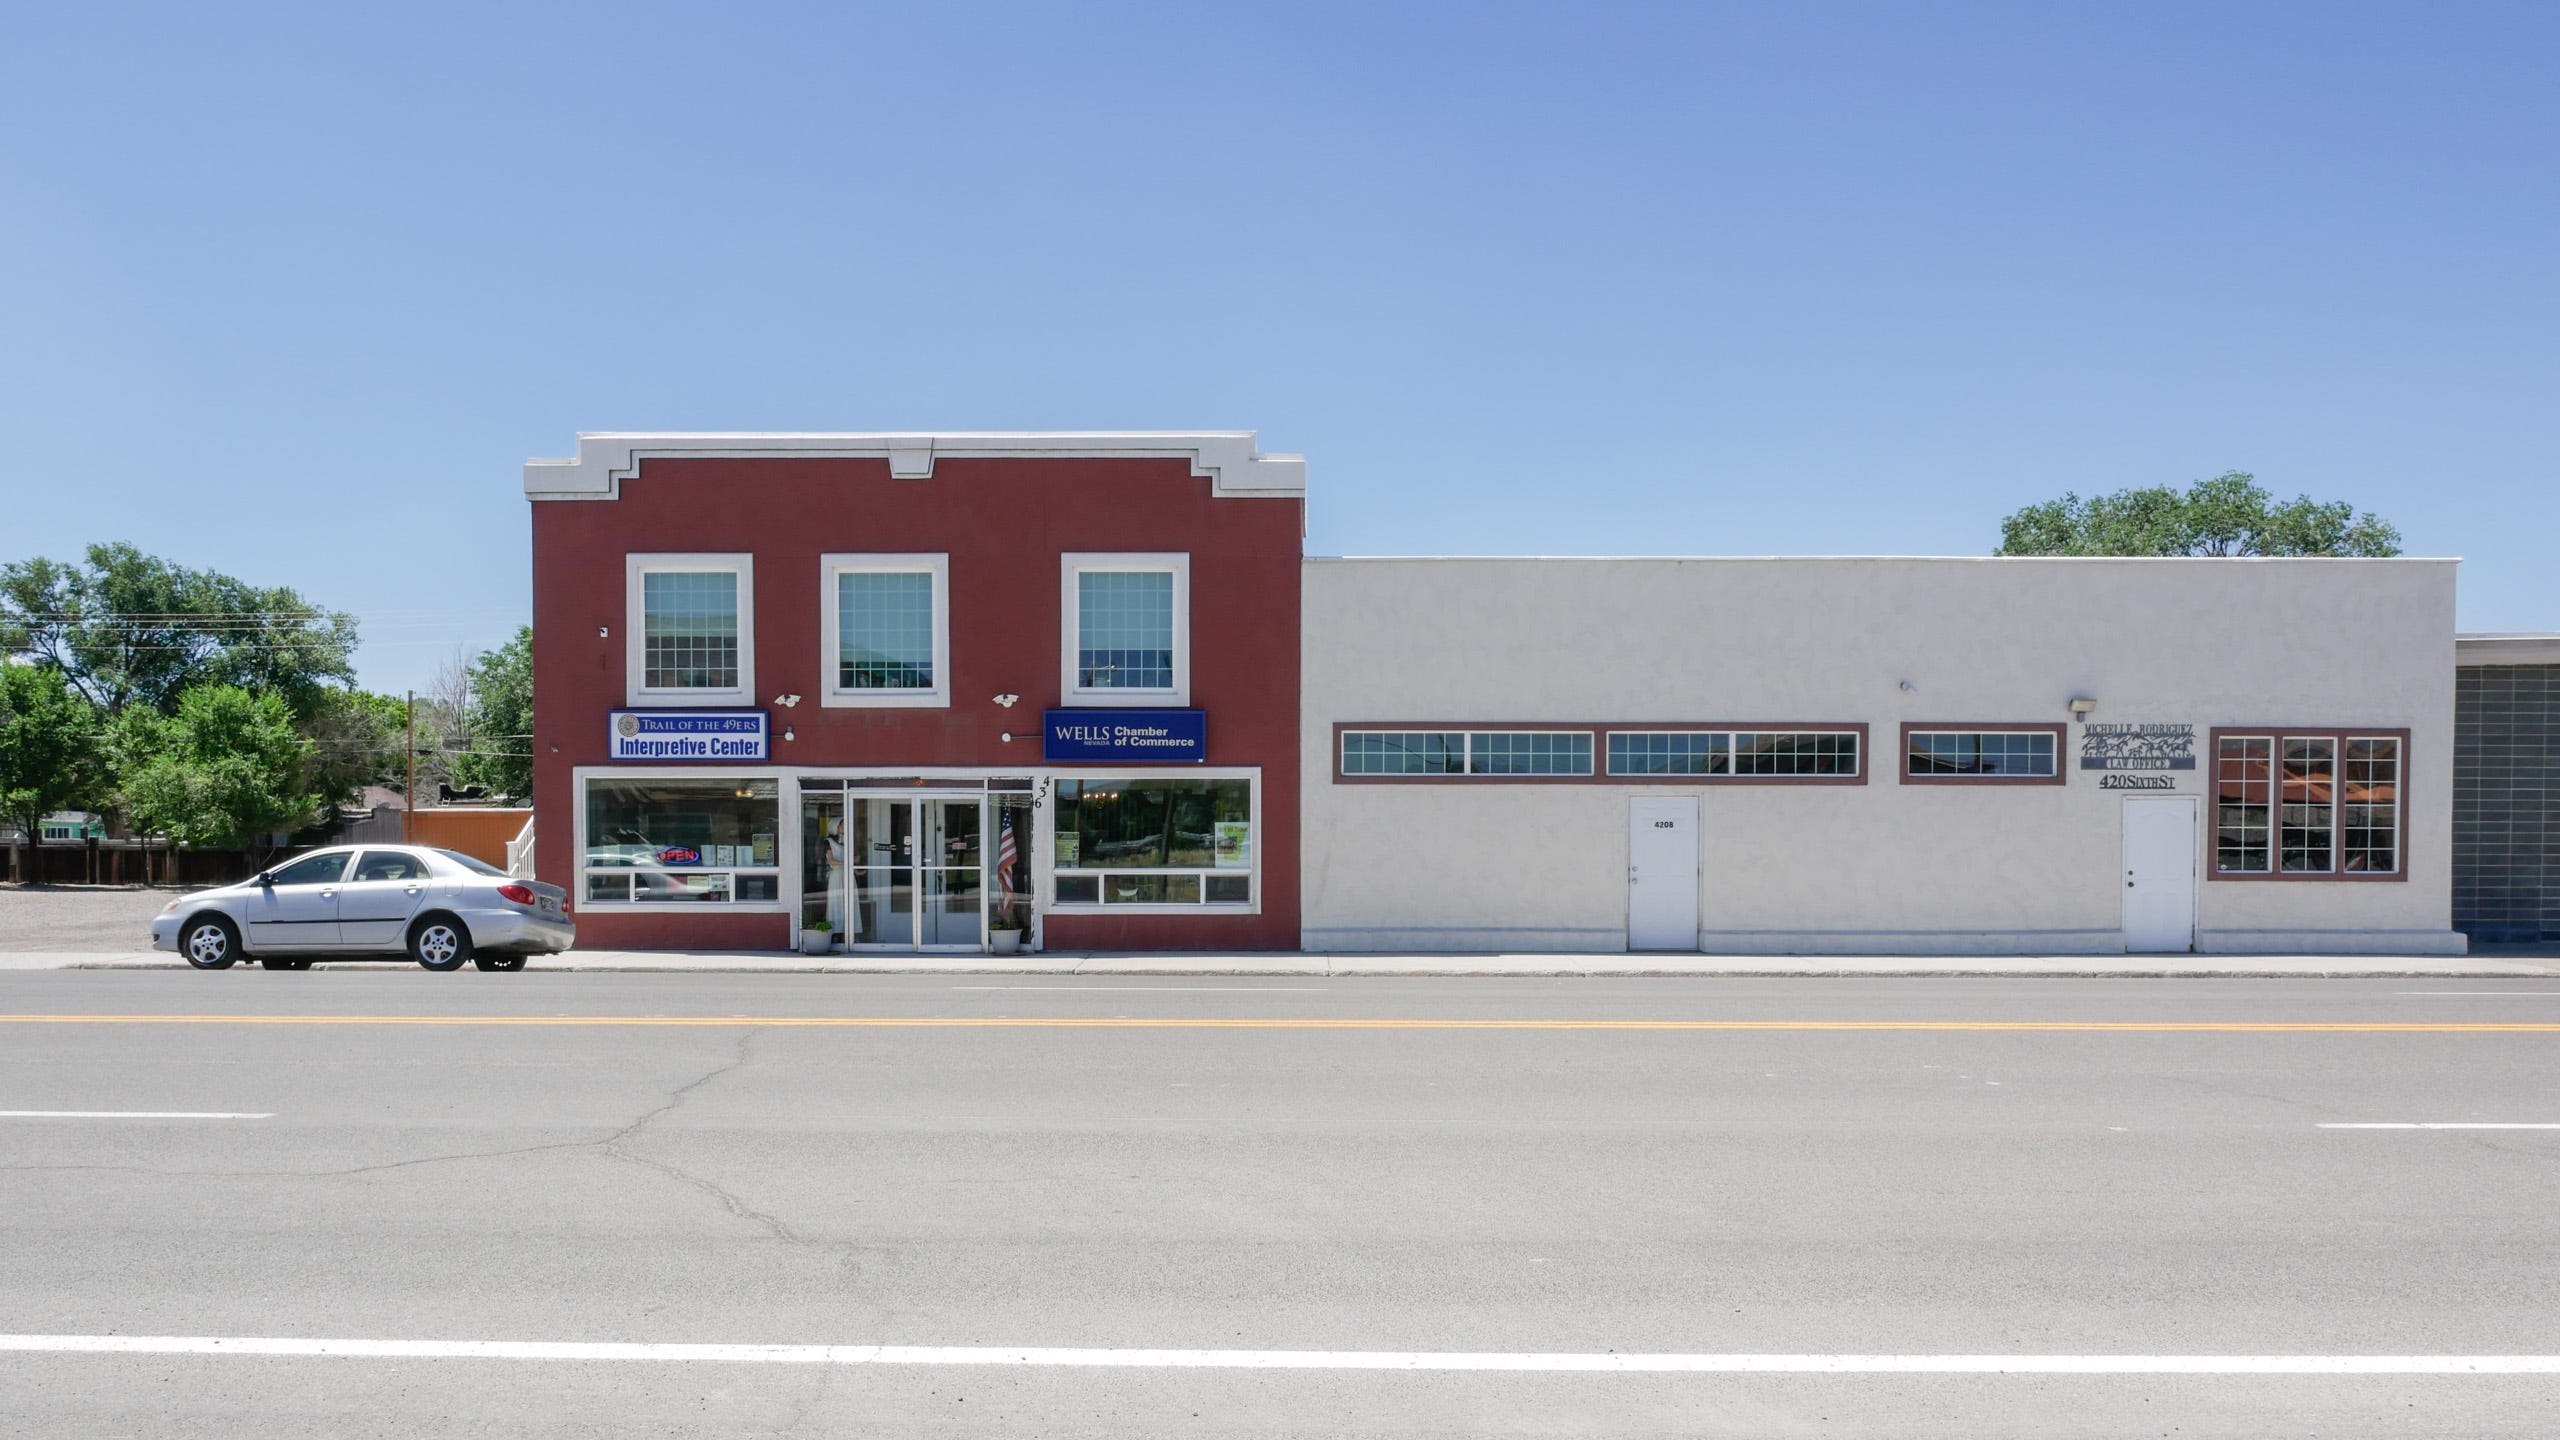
x: 517, y: 893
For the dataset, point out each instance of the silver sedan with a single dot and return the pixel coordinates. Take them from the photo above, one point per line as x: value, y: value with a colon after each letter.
x: 438, y: 907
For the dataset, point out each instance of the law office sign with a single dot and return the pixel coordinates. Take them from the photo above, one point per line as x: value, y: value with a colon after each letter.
x: 2148, y: 746
x: 686, y: 735
x: 1147, y: 737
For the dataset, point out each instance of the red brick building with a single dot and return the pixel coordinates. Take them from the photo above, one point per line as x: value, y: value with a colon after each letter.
x: 921, y: 690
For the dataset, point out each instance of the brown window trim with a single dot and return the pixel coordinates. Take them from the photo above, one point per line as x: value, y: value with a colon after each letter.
x: 1599, y: 732
x: 2275, y: 804
x: 2060, y: 732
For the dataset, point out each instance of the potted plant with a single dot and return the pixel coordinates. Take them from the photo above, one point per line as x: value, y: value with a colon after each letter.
x: 1006, y: 929
x: 817, y: 937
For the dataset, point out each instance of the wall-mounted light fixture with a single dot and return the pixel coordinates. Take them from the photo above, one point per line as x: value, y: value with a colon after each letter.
x: 604, y: 632
x: 787, y: 735
x: 786, y: 701
x: 2081, y: 706
x: 1007, y: 701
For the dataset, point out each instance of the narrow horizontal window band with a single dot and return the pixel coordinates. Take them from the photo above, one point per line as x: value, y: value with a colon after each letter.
x: 1599, y: 753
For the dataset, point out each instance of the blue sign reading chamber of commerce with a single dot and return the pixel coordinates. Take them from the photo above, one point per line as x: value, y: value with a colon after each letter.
x: 1155, y: 737
x: 687, y: 735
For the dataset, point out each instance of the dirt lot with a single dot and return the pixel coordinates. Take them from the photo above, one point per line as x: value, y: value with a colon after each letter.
x: 81, y: 917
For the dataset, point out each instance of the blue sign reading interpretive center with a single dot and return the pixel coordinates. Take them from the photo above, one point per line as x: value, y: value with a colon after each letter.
x: 687, y: 735
x: 1153, y: 737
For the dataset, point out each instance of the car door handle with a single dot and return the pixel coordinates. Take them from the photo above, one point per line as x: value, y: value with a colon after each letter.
x: 411, y: 889
x: 328, y: 894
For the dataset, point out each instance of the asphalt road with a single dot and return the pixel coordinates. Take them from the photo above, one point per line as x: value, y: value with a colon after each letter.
x: 697, y: 1159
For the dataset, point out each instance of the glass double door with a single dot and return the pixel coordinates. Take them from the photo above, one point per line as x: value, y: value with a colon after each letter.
x: 900, y: 871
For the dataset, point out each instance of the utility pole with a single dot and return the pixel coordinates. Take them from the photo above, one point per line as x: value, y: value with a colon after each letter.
x: 409, y: 796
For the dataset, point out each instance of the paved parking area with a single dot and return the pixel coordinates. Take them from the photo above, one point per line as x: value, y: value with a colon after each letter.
x: 83, y: 918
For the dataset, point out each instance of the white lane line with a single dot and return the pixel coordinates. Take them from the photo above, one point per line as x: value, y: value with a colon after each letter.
x: 137, y: 1115
x: 570, y: 1350
x: 1172, y: 989
x: 2439, y: 1125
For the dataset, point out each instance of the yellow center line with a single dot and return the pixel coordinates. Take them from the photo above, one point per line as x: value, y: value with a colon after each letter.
x: 2242, y: 1027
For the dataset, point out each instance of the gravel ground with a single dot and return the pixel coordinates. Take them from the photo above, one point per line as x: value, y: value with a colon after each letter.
x: 81, y: 917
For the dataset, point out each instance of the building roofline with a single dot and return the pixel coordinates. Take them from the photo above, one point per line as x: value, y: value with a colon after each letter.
x: 1226, y: 458
x: 1883, y: 559
x: 2507, y: 648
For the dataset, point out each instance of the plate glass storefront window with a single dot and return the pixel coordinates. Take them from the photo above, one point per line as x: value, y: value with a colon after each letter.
x: 1154, y: 842
x: 682, y: 841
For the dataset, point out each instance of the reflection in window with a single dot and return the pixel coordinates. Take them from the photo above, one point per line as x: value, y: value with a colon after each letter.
x: 1124, y: 629
x: 1404, y: 752
x: 884, y: 630
x: 2369, y: 815
x: 682, y: 841
x: 1154, y: 842
x: 2023, y: 754
x: 1670, y: 752
x: 2242, y: 787
x: 1812, y: 752
x: 689, y: 630
x: 2309, y: 800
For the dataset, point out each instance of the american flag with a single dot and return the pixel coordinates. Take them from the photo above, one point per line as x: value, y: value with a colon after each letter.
x: 1005, y: 856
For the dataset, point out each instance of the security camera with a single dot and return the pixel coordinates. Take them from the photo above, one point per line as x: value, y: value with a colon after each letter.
x: 786, y: 701
x: 1007, y: 700
x: 2081, y: 706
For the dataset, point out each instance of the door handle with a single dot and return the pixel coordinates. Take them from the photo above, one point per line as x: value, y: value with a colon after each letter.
x: 327, y: 894
x: 411, y: 889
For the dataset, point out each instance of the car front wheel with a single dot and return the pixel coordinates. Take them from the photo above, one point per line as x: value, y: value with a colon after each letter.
x: 439, y: 942
x: 210, y: 943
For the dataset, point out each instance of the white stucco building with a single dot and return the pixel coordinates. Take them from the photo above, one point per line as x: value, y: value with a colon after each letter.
x: 1878, y: 755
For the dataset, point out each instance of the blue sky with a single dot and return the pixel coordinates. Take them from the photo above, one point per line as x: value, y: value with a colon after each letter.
x: 292, y: 292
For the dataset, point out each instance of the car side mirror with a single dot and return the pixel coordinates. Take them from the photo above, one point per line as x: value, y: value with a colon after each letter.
x: 267, y: 878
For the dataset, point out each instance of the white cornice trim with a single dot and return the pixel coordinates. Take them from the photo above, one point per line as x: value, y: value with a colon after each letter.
x: 2490, y: 649
x: 1226, y: 458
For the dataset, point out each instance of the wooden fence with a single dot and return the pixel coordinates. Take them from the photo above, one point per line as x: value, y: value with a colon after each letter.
x: 124, y: 862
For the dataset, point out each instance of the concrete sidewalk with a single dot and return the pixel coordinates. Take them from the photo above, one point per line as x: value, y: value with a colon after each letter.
x: 2518, y: 962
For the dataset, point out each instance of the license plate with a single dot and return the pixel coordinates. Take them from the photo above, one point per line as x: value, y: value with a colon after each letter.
x: 550, y: 904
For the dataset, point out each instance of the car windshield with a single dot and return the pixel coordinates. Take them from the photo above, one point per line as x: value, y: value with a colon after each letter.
x: 472, y: 863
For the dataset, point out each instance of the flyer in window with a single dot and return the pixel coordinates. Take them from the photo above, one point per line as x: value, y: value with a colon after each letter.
x: 763, y: 849
x: 1235, y: 844
x: 1068, y: 843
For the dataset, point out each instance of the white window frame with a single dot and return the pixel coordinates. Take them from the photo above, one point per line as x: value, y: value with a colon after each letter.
x: 831, y: 625
x: 635, y: 635
x: 1175, y: 563
x: 786, y: 827
x: 1045, y: 872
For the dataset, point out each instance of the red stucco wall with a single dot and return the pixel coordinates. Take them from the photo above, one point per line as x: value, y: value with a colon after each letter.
x: 1004, y: 524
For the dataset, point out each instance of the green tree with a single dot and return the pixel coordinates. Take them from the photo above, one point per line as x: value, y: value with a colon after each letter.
x: 222, y: 771
x: 357, y: 739
x: 132, y: 629
x: 500, y: 720
x: 2231, y: 514
x: 52, y: 746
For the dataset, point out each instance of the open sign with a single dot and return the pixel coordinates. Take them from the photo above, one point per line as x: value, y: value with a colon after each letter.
x: 680, y: 855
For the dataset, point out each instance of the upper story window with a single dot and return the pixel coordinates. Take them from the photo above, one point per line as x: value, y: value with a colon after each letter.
x: 2297, y: 804
x: 689, y: 629
x: 1419, y: 753
x: 1745, y: 755
x: 1969, y: 755
x: 886, y: 629
x: 1128, y: 629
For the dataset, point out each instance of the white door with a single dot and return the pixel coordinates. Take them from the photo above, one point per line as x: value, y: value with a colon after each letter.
x: 2160, y: 875
x: 1662, y: 873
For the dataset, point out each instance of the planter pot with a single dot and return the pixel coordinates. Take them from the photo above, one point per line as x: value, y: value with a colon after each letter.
x: 817, y: 942
x: 1005, y: 942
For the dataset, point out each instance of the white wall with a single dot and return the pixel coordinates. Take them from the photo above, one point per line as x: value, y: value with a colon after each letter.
x: 1881, y: 868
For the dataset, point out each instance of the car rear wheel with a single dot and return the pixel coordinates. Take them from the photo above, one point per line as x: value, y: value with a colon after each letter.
x: 439, y: 942
x: 487, y: 961
x: 210, y: 943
